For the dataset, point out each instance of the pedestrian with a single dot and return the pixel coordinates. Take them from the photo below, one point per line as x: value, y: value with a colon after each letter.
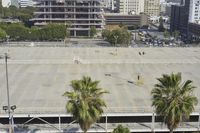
x: 138, y: 77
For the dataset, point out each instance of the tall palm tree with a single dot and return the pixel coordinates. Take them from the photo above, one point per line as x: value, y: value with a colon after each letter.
x: 85, y: 102
x: 173, y: 100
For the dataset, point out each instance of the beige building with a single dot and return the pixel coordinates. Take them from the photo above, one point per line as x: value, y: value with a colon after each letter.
x: 152, y: 7
x: 131, y: 6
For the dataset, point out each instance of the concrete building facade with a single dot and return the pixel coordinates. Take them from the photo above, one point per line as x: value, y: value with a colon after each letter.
x: 131, y: 6
x: 152, y: 7
x: 80, y: 14
x: 25, y: 3
x: 128, y: 20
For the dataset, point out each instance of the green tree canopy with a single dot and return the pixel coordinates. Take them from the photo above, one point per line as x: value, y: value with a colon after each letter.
x: 23, y: 14
x: 118, y: 36
x: 93, y: 31
x: 85, y: 102
x: 49, y: 32
x: 173, y: 99
x: 166, y: 34
x: 121, y: 129
x: 17, y: 31
x: 176, y: 34
x: 53, y: 32
x: 2, y: 34
x: 161, y: 25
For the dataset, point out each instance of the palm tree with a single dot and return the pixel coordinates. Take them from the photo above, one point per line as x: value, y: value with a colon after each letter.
x: 173, y: 100
x: 85, y: 102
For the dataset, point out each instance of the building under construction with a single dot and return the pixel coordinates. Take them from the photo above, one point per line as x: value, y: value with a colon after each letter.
x: 81, y: 15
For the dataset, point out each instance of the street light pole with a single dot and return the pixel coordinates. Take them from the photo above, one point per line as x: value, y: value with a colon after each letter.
x: 8, y: 94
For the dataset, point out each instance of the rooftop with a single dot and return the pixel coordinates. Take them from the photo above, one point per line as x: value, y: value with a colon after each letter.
x: 38, y: 76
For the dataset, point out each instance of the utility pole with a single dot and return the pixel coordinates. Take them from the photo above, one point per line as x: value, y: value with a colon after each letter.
x: 8, y: 94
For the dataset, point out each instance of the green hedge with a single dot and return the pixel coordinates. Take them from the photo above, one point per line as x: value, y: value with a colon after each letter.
x: 50, y: 32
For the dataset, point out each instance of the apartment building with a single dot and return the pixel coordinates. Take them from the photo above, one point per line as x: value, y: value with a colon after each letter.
x: 81, y: 15
x: 194, y: 16
x: 131, y: 6
x: 152, y: 7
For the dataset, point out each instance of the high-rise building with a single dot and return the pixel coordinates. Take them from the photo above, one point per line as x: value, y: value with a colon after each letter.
x: 131, y: 6
x: 180, y: 17
x: 80, y: 14
x: 194, y: 16
x: 152, y: 7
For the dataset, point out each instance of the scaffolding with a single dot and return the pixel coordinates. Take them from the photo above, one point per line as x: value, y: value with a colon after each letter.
x: 81, y: 15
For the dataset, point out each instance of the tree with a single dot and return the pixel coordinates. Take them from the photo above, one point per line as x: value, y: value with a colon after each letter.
x: 85, y: 102
x: 17, y: 31
x: 166, y: 34
x: 93, y: 31
x: 55, y: 31
x: 13, y: 10
x: 161, y: 26
x: 173, y: 100
x: 121, y: 129
x: 118, y: 36
x: 23, y: 14
x: 176, y: 34
x: 49, y: 32
x: 2, y: 34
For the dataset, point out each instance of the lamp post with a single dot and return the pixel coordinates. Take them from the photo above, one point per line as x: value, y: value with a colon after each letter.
x: 116, y: 37
x: 7, y: 39
x: 11, y: 126
x: 8, y: 94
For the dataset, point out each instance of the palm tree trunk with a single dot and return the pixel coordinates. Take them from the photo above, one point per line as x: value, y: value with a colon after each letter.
x: 171, y: 130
